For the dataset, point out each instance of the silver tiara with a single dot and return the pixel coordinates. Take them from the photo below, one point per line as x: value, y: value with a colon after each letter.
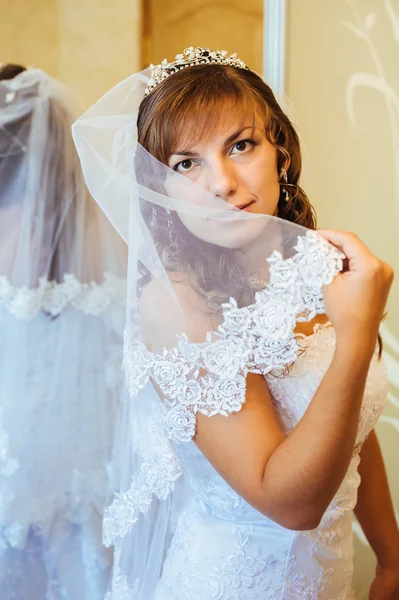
x: 191, y: 57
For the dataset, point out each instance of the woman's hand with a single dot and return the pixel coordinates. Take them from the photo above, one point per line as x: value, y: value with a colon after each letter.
x: 356, y: 299
x: 386, y: 583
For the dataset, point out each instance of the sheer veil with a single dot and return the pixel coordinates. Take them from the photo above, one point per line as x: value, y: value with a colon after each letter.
x: 62, y: 298
x: 213, y: 294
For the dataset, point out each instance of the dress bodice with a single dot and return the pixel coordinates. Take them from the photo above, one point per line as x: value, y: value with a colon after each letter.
x: 224, y: 549
x: 291, y: 394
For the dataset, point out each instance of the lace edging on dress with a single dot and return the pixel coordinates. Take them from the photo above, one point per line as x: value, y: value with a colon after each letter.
x: 209, y: 377
x: 257, y: 338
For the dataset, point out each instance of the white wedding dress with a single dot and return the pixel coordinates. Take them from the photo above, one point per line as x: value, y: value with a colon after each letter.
x: 223, y: 549
x: 60, y: 353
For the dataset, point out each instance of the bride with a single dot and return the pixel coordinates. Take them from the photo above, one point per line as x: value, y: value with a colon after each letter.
x: 253, y: 373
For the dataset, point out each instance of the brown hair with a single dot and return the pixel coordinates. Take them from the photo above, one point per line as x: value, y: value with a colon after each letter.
x: 10, y: 71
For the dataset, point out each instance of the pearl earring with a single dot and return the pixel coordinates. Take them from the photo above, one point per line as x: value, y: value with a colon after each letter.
x: 284, y: 177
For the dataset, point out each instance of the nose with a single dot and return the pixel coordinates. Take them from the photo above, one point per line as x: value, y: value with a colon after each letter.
x: 222, y: 179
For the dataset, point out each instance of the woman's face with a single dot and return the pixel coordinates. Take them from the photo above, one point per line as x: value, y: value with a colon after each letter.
x: 237, y: 164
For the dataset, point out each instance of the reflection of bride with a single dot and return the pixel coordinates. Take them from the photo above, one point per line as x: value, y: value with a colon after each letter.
x: 59, y: 350
x: 226, y: 319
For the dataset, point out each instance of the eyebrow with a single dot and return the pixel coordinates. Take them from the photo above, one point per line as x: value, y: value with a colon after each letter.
x: 229, y: 140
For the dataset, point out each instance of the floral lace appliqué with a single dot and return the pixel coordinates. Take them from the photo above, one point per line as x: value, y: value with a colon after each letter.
x: 157, y: 476
x: 209, y: 377
x: 243, y: 572
x: 120, y: 589
x: 90, y: 298
x: 247, y: 575
x: 311, y: 587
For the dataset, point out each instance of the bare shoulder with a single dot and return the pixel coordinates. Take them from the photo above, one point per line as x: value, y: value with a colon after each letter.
x: 174, y: 307
x: 171, y: 296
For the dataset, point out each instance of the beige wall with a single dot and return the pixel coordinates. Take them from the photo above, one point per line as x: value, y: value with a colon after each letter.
x: 88, y: 44
x: 92, y: 44
x: 343, y: 80
x: 230, y: 25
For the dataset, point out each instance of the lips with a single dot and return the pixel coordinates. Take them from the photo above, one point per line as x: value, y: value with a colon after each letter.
x: 245, y: 206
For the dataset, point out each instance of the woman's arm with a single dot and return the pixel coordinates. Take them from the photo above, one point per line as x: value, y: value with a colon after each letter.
x: 376, y: 516
x: 293, y: 478
x: 374, y: 509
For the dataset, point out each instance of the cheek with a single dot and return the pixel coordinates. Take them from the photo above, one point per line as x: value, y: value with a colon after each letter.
x: 175, y: 187
x: 261, y: 180
x: 269, y: 187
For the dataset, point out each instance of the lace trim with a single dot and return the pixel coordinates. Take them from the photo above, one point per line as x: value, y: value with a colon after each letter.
x: 257, y: 339
x: 120, y: 589
x: 159, y: 471
x: 90, y: 298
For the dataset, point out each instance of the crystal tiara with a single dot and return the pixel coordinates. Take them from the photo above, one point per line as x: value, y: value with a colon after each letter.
x: 191, y: 57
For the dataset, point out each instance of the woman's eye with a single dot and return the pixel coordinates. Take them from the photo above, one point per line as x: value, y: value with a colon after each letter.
x: 184, y: 165
x: 242, y: 146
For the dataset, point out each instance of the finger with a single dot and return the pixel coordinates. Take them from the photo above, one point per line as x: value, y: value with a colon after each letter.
x: 348, y: 243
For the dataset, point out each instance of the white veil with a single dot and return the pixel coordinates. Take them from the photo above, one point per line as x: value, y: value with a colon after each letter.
x: 62, y: 298
x: 213, y: 293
